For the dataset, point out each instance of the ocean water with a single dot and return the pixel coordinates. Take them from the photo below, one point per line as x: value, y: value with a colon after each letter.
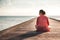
x: 55, y: 17
x: 8, y: 21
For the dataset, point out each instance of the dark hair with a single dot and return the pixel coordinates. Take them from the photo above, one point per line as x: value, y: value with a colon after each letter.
x: 42, y: 11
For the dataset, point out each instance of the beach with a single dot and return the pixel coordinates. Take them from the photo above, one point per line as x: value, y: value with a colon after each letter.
x: 27, y: 31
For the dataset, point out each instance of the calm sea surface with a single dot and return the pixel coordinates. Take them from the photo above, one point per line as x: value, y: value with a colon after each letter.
x: 8, y: 21
x: 56, y: 17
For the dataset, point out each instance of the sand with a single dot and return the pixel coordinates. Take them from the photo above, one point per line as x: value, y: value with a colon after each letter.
x: 26, y: 31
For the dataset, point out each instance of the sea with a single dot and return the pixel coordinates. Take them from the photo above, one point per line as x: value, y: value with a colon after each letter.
x: 55, y: 17
x: 9, y: 21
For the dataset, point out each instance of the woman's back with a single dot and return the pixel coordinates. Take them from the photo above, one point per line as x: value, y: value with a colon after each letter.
x: 42, y: 21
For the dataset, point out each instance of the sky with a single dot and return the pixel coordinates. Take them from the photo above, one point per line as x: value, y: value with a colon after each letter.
x: 29, y: 7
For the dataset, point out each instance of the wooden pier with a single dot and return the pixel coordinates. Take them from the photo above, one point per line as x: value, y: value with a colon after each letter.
x: 26, y: 31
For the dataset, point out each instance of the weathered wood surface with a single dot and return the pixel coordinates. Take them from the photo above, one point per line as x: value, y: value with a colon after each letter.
x: 26, y: 31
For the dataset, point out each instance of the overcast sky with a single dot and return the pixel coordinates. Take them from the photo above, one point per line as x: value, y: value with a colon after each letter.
x: 29, y: 7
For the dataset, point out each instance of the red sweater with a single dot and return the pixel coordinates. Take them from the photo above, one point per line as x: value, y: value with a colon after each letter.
x: 42, y: 21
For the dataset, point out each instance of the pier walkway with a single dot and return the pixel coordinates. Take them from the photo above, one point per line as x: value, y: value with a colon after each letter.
x: 26, y: 31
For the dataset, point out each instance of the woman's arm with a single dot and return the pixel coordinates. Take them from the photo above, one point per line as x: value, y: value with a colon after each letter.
x: 47, y: 21
x: 37, y: 21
